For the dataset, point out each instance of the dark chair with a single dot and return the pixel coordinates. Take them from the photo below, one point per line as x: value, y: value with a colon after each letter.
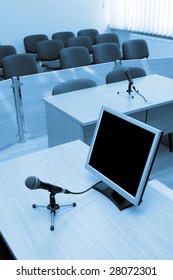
x: 91, y: 32
x: 106, y: 52
x: 107, y: 37
x: 63, y: 36
x: 74, y: 57
x: 73, y: 85
x: 83, y: 41
x: 48, y: 53
x: 119, y: 74
x: 30, y: 42
x: 16, y: 65
x: 135, y: 49
x: 5, y: 50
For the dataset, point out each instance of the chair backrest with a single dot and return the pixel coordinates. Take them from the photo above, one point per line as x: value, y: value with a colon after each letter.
x: 74, y: 57
x: 63, y: 36
x: 72, y: 85
x: 91, y: 32
x: 6, y: 50
x: 16, y: 65
x: 119, y: 74
x: 135, y: 49
x: 106, y: 52
x: 49, y: 49
x: 107, y: 37
x: 83, y: 41
x: 30, y: 42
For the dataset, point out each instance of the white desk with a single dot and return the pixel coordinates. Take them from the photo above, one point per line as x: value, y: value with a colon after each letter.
x: 73, y: 115
x: 95, y: 228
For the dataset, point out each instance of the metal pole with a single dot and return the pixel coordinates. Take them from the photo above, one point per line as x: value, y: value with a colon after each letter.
x: 19, y: 109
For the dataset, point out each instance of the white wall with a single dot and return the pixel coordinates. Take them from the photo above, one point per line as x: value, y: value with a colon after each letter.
x: 20, y: 18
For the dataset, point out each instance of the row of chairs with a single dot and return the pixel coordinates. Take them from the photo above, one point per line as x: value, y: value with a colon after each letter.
x: 87, y: 47
x: 53, y: 56
x: 46, y: 50
x: 31, y: 41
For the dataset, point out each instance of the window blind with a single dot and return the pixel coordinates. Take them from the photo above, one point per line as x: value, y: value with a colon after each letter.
x: 148, y: 16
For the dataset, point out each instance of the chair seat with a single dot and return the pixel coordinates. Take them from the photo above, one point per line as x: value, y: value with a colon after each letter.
x: 55, y: 64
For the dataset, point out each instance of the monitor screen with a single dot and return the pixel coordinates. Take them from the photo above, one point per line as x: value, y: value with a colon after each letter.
x: 121, y: 155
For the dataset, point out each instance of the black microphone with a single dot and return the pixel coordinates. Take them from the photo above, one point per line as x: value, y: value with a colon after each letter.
x: 34, y: 183
x: 129, y: 78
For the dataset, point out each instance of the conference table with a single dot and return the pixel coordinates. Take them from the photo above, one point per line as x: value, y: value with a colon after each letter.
x: 74, y: 115
x: 93, y: 230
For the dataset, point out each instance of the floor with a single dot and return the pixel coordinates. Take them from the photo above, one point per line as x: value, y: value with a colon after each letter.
x: 163, y: 166
x: 20, y: 149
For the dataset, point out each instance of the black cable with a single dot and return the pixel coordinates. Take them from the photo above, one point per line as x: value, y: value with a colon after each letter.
x: 83, y: 191
x: 137, y: 91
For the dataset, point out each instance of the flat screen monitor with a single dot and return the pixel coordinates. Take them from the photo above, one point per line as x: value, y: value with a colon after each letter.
x: 121, y: 155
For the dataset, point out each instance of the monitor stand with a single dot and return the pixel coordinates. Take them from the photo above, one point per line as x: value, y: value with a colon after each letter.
x: 115, y: 197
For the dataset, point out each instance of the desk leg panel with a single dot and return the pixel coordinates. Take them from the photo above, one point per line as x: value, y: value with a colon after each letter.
x: 160, y: 118
x: 61, y: 128
x: 140, y: 116
x: 88, y: 133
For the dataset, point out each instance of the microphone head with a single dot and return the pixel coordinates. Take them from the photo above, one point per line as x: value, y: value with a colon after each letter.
x: 32, y: 182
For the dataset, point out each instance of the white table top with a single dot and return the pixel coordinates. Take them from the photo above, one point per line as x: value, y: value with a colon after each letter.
x: 95, y: 228
x: 84, y: 106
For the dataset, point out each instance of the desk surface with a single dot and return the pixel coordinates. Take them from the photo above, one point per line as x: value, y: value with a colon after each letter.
x: 84, y: 106
x: 95, y: 228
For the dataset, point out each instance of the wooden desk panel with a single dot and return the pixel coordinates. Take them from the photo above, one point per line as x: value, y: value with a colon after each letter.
x: 95, y: 228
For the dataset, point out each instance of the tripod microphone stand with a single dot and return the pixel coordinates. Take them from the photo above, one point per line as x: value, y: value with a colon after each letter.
x: 129, y: 90
x: 53, y: 207
x: 131, y: 86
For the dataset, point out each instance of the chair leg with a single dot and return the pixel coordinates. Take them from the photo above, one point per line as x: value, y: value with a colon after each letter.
x: 170, y: 141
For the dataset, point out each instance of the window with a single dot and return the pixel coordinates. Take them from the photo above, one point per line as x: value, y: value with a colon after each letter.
x: 148, y: 16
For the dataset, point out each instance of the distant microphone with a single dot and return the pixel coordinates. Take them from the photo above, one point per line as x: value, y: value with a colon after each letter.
x: 34, y: 183
x: 129, y: 78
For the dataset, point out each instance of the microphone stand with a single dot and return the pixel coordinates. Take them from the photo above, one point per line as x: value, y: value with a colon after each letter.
x: 129, y: 90
x: 131, y: 86
x: 53, y: 207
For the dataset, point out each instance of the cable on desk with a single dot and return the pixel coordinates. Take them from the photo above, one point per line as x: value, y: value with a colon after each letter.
x: 82, y: 191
